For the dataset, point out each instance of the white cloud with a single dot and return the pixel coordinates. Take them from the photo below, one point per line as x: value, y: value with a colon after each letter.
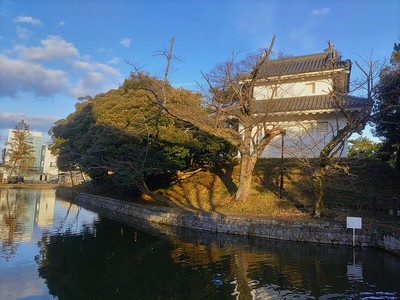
x: 28, y: 20
x: 106, y: 69
x: 320, y: 12
x: 36, y: 122
x: 20, y: 76
x: 23, y: 33
x: 94, y: 66
x: 81, y: 65
x: 91, y: 84
x: 114, y: 60
x: 60, y: 24
x: 37, y: 70
x: 41, y: 122
x: 53, y: 47
x: 126, y: 42
x: 9, y: 120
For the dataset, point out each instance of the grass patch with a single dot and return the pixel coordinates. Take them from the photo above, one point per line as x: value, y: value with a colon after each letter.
x: 369, y: 192
x: 366, y: 192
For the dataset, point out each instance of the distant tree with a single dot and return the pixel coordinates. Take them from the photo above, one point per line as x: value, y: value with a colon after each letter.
x: 387, y: 108
x: 20, y: 151
x: 363, y: 147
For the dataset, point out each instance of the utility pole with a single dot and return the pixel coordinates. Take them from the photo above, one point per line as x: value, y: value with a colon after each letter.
x: 282, y: 149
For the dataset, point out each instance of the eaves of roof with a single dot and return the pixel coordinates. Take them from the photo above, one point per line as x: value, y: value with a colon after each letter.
x: 325, y: 61
x: 308, y: 104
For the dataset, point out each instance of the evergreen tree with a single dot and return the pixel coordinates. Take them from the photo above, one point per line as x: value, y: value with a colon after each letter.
x: 363, y: 147
x: 122, y: 140
x: 387, y: 108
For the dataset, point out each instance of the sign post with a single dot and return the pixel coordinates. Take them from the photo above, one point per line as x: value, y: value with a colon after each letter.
x: 354, y: 223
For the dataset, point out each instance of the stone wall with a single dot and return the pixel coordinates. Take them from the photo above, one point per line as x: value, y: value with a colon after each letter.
x: 316, y: 231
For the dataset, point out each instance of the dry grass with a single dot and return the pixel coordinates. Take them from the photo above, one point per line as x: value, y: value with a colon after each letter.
x: 213, y: 191
x: 369, y: 192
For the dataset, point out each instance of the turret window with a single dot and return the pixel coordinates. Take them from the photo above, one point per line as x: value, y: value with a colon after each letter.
x: 310, y: 88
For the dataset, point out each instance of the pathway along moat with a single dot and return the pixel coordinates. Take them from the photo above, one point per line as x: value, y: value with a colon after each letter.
x: 51, y: 248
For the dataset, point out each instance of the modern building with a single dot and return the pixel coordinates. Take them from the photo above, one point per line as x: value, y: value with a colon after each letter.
x: 48, y: 165
x: 38, y: 211
x: 44, y: 166
x: 35, y: 138
x: 294, y: 93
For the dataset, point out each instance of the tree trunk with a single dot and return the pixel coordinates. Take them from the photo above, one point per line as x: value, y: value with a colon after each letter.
x: 241, y: 270
x: 72, y: 178
x: 318, y: 178
x: 246, y: 173
x: 398, y: 158
x: 145, y: 189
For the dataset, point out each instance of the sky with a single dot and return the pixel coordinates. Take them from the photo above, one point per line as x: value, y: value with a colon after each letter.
x: 53, y: 52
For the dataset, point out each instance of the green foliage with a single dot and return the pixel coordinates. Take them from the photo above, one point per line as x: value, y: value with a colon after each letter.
x: 387, y: 107
x: 363, y: 147
x: 121, y: 136
x: 395, y: 59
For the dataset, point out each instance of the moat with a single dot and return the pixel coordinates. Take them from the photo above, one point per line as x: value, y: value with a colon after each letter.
x: 52, y: 249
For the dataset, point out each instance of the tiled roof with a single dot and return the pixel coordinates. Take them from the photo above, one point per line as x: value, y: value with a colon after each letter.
x: 308, y: 104
x: 327, y: 60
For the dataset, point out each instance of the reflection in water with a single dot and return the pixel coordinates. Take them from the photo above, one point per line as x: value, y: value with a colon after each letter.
x: 24, y: 216
x: 81, y: 256
x: 20, y: 210
x: 284, y: 270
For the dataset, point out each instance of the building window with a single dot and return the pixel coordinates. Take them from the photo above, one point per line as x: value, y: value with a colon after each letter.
x: 310, y: 88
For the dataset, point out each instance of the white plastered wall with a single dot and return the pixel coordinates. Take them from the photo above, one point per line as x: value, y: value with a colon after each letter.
x: 306, y: 138
x: 292, y: 89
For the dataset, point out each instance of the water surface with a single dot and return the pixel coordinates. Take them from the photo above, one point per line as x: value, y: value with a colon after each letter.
x: 53, y: 249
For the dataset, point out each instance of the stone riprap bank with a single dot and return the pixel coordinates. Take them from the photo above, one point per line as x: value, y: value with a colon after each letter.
x: 318, y: 231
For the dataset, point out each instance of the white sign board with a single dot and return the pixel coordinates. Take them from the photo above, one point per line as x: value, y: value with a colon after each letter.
x: 355, y: 272
x: 354, y: 222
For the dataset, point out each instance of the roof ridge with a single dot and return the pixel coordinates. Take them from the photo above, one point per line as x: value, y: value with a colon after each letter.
x: 325, y: 53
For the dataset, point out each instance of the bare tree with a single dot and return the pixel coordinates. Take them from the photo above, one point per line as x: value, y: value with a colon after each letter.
x: 355, y: 112
x: 227, y: 111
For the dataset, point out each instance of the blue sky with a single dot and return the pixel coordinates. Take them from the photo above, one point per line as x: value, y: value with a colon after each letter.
x: 52, y: 52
